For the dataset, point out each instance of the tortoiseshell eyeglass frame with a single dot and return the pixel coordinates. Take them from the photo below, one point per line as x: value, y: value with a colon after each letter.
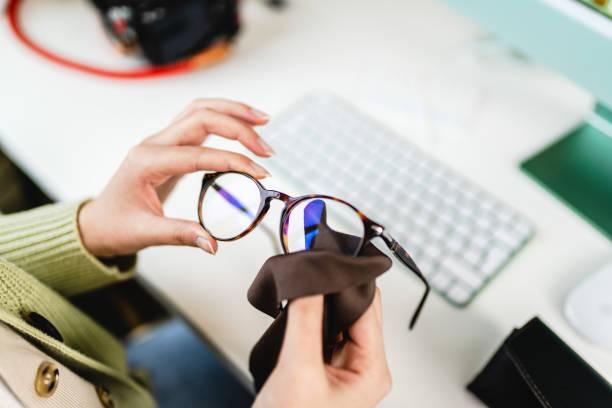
x: 371, y: 228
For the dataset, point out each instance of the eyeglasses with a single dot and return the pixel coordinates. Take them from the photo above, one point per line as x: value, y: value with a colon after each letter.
x: 232, y: 204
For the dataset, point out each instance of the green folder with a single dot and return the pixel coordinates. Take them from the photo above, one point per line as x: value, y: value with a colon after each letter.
x: 578, y: 170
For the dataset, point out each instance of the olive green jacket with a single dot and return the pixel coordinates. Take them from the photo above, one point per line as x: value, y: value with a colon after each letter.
x: 42, y: 259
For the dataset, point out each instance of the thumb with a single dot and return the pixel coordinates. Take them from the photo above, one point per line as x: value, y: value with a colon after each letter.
x: 303, y: 341
x: 172, y: 231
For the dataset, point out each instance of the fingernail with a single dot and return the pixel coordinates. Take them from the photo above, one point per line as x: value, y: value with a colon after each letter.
x: 259, y: 170
x: 260, y: 114
x: 204, y: 244
x: 266, y: 147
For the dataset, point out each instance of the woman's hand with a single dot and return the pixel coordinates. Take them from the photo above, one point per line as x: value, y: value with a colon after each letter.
x: 357, y: 377
x: 128, y: 215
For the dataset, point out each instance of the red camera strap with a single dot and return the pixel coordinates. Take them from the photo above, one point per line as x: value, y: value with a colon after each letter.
x: 206, y: 57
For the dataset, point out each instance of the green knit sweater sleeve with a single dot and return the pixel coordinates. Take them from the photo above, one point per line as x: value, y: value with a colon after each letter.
x: 45, y: 242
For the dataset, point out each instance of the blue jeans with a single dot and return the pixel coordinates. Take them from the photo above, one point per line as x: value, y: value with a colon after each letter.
x: 182, y: 371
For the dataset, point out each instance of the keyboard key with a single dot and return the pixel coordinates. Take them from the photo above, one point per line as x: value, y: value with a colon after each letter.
x: 470, y: 195
x: 467, y: 211
x: 481, y: 240
x: 447, y: 216
x: 441, y: 280
x: 472, y: 256
x: 463, y: 272
x: 503, y: 215
x: 437, y: 230
x: 430, y: 206
x: 484, y: 223
x: 455, y: 243
x: 415, y: 195
x: 417, y: 240
x: 434, y: 189
x: 459, y: 294
x: 426, y: 266
x: 432, y: 251
x: 465, y: 229
x: 450, y: 198
x: 421, y: 220
x: 523, y: 228
x: 508, y: 238
x: 494, y: 260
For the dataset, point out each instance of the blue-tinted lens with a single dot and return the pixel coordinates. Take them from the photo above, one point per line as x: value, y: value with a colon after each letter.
x: 321, y: 223
x: 312, y: 220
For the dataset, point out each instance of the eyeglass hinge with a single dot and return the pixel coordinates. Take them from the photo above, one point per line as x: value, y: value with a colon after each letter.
x: 378, y: 229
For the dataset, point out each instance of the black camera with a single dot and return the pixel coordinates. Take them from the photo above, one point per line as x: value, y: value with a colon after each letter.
x: 167, y: 31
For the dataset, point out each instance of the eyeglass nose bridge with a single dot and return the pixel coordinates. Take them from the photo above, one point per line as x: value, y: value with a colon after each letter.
x: 277, y: 195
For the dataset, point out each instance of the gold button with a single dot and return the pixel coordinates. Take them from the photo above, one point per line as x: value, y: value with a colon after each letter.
x: 105, y: 397
x: 46, y: 379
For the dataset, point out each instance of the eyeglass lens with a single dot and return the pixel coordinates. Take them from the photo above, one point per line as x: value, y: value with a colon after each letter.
x: 230, y: 205
x: 321, y: 223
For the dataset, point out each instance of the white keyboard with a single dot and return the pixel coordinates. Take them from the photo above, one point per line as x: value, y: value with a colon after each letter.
x: 458, y: 234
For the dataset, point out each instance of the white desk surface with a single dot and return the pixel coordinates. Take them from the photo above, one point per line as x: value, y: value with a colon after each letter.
x: 415, y: 65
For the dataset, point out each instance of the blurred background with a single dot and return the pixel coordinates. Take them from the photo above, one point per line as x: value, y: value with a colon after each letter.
x: 475, y: 89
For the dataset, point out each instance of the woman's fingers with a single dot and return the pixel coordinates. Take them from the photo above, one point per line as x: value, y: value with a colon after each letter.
x: 158, y: 163
x: 236, y: 109
x: 194, y: 127
x: 303, y: 336
x: 366, y: 332
x: 303, y: 342
x: 368, y: 350
x: 206, y: 121
x: 377, y: 302
x: 170, y: 231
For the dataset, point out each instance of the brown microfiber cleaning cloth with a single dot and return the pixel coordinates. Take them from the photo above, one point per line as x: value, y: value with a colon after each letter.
x: 347, y: 282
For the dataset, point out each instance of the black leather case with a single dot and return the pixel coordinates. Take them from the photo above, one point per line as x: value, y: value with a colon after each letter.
x: 535, y: 368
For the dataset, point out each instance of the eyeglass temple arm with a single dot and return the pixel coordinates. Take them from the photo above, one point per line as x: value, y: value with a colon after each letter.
x: 401, y: 254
